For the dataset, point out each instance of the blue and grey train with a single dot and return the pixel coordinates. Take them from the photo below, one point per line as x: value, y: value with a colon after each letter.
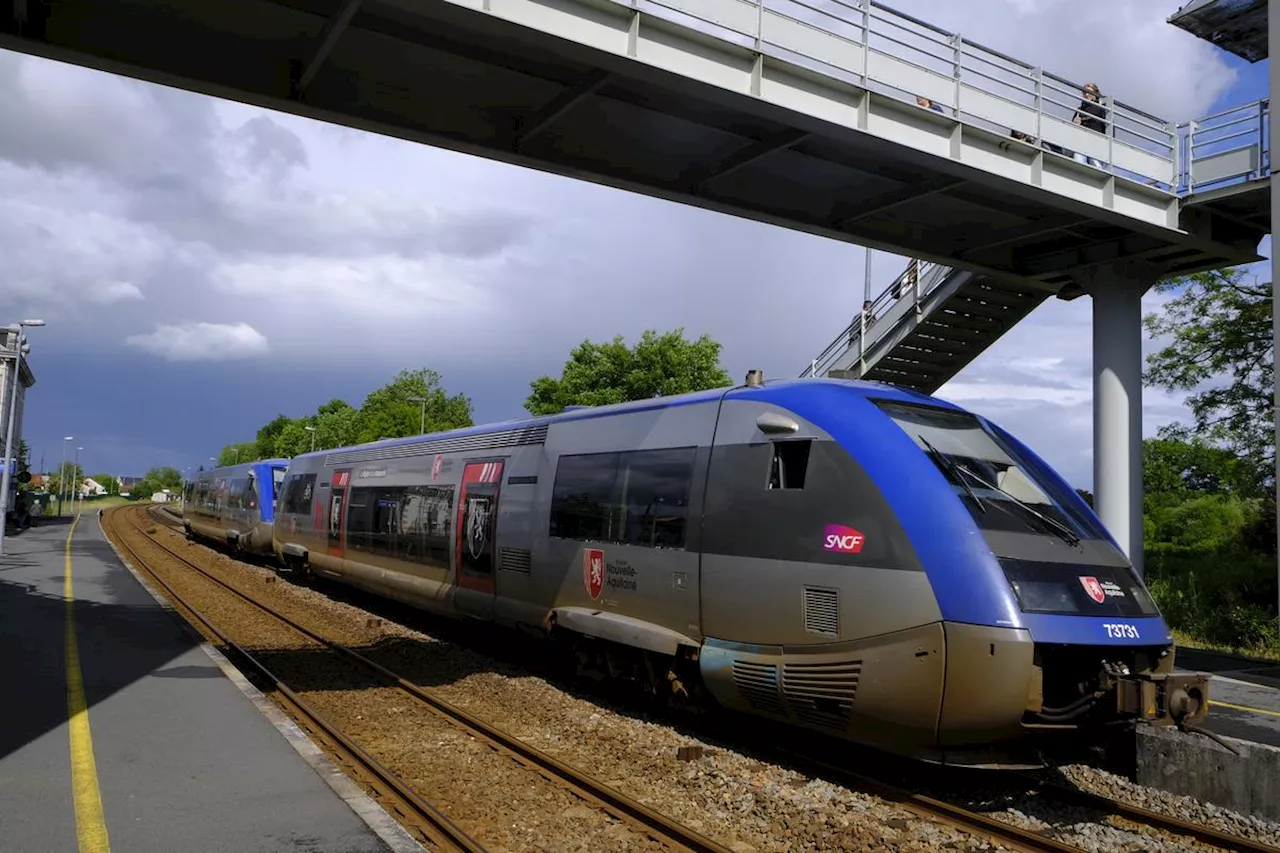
x: 235, y: 505
x: 848, y: 557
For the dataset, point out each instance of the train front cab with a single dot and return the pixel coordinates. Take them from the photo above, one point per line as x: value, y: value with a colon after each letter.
x: 851, y: 581
x: 236, y: 505
x: 1086, y: 640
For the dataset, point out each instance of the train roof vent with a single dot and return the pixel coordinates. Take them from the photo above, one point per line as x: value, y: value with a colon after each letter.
x: 575, y: 408
x: 755, y: 378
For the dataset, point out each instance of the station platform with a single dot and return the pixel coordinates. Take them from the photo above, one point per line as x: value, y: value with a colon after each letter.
x: 1244, y: 694
x: 177, y: 753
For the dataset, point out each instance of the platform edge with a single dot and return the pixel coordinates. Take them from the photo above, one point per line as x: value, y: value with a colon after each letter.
x: 366, y: 808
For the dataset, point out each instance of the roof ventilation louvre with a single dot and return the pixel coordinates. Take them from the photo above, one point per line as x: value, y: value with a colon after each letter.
x: 575, y: 408
x: 755, y: 378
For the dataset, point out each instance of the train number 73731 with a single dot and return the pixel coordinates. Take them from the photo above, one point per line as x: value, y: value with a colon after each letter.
x: 1116, y: 630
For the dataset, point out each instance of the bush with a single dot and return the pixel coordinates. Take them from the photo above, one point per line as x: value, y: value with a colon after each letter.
x: 1224, y: 596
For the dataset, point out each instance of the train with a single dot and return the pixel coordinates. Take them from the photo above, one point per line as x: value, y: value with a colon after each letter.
x: 847, y: 557
x: 235, y: 505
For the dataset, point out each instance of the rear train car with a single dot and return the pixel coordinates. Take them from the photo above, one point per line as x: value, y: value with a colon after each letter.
x: 847, y: 557
x: 235, y: 504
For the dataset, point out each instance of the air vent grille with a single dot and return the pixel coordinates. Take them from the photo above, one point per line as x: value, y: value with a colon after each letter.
x: 821, y: 611
x: 461, y: 444
x: 515, y: 560
x: 822, y: 693
x: 758, y: 684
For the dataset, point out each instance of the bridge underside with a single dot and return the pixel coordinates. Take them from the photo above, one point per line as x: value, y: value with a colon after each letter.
x: 464, y: 80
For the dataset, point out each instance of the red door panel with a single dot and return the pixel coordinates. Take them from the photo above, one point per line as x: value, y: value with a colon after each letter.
x: 336, y: 513
x: 477, y: 525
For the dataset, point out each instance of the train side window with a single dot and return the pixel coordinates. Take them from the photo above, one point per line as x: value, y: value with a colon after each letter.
x: 249, y: 495
x: 656, y: 486
x: 297, y: 494
x: 358, y: 521
x: 583, y: 497
x: 235, y: 492
x: 426, y: 514
x: 789, y: 464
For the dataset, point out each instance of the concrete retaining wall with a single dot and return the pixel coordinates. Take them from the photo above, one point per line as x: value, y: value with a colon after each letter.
x: 1197, y: 766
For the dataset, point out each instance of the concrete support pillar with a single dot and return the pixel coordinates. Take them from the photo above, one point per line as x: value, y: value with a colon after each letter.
x: 1273, y: 45
x: 1117, y: 400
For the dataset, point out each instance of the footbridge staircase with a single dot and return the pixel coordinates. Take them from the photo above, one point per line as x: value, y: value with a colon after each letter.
x: 932, y: 320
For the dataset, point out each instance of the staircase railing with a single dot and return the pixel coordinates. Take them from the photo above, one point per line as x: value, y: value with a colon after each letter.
x: 915, y: 283
x: 1213, y: 151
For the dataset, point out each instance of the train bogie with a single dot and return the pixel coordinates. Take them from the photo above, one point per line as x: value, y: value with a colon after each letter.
x: 846, y: 557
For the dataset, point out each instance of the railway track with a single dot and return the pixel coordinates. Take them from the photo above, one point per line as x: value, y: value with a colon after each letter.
x: 645, y: 820
x: 677, y: 837
x: 422, y: 820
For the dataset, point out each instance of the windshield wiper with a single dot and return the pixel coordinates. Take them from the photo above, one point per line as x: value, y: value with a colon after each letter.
x: 951, y: 467
x: 1061, y: 530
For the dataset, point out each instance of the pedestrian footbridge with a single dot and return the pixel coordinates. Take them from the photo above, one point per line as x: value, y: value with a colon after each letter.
x: 801, y: 113
x: 843, y: 118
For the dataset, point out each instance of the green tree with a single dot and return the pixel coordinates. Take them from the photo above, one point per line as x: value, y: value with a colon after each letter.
x: 601, y: 374
x: 1221, y: 328
x: 1177, y: 469
x: 337, y: 424
x: 108, y: 482
x: 234, y: 454
x: 70, y: 475
x: 24, y: 464
x: 155, y: 480
x: 269, y: 436
x: 388, y: 411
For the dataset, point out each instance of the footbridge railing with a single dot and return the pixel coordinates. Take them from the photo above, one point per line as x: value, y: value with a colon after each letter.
x: 868, y: 44
x: 1225, y: 148
x: 1222, y: 149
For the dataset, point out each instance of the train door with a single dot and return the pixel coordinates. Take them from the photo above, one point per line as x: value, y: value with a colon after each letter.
x: 476, y: 548
x: 336, y: 523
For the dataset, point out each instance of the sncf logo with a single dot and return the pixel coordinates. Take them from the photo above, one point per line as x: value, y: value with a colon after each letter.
x: 846, y: 540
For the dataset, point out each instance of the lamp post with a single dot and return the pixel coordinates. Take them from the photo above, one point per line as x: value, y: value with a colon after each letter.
x: 13, y: 407
x: 312, y: 430
x: 62, y: 472
x: 422, y: 416
x: 75, y: 466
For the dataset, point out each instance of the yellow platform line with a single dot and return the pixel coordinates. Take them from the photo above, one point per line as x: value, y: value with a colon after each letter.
x: 1213, y: 702
x: 91, y: 826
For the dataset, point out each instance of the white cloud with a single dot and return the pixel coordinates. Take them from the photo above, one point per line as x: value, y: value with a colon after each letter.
x: 1125, y: 46
x: 115, y: 291
x: 202, y: 341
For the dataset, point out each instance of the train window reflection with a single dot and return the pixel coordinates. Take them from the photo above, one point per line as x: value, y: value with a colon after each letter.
x: 984, y: 474
x: 635, y: 498
x: 298, y: 489
x: 410, y: 523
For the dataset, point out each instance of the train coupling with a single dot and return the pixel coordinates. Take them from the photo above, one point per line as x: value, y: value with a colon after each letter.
x: 1162, y: 698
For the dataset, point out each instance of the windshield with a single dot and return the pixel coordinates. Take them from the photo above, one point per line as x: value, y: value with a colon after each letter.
x: 999, y: 491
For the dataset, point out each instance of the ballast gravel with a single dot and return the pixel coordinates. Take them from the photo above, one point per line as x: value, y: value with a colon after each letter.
x: 745, y: 804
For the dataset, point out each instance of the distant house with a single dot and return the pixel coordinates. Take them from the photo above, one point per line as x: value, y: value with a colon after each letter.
x: 163, y: 496
x: 91, y: 488
x: 127, y: 484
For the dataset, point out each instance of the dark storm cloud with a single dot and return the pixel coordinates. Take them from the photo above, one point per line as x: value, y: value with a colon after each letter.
x: 171, y: 165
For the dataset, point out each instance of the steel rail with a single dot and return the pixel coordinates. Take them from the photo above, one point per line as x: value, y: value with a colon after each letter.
x: 433, y: 825
x: 1157, y: 820
x: 657, y: 826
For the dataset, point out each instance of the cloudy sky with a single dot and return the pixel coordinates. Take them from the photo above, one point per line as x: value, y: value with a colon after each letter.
x: 204, y: 265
